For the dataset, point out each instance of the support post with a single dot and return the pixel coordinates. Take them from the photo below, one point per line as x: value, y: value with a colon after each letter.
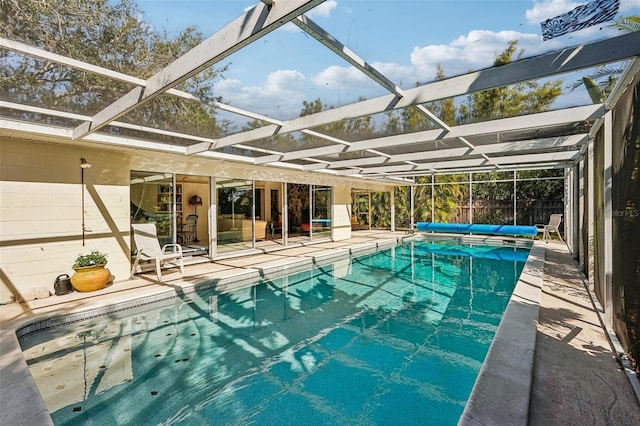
x: 392, y: 198
x: 608, y: 221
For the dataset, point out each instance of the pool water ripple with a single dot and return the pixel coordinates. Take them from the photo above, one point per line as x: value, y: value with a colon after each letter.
x: 365, y: 340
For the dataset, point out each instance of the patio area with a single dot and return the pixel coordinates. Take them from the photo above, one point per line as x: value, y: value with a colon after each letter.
x: 575, y: 376
x: 269, y: 258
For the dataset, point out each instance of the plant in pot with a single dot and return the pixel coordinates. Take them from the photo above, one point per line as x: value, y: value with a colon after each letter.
x: 91, y: 273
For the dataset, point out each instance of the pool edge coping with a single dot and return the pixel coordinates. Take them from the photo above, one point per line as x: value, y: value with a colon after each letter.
x: 502, y: 391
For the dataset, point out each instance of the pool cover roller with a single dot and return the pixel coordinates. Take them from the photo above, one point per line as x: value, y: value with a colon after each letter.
x: 462, y: 228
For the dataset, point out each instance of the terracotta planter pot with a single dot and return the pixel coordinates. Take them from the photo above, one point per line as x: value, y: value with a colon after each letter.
x: 90, y: 278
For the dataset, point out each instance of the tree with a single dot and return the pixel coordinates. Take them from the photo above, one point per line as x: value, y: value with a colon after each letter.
x: 534, y: 188
x: 110, y: 34
x: 410, y: 119
x: 501, y: 102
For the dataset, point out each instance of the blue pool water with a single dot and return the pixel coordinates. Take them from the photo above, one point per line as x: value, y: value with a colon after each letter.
x: 395, y: 337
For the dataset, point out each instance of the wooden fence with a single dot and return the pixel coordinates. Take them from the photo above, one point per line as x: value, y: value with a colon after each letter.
x: 528, y: 212
x: 498, y: 212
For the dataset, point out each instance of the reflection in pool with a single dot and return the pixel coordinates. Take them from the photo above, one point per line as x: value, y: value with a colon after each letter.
x: 398, y: 337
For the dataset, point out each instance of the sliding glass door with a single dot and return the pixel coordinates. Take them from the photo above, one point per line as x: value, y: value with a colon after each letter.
x: 321, y: 208
x: 235, y: 215
x: 152, y: 201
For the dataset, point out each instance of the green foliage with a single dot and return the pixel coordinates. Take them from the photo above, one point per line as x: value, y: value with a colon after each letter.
x: 448, y: 199
x: 491, y: 189
x: 600, y: 83
x: 402, y: 200
x: 92, y: 259
x: 628, y: 23
x: 422, y: 202
x: 110, y: 34
x: 537, y: 188
x: 519, y: 99
x: 380, y: 214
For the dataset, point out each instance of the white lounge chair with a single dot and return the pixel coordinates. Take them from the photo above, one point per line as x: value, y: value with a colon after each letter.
x: 552, y: 226
x: 146, y: 239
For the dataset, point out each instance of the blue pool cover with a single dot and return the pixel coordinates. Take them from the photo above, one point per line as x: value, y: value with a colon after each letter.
x: 465, y: 228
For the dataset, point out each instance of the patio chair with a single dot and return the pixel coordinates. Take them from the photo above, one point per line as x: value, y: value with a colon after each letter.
x: 552, y: 226
x: 276, y: 226
x: 146, y: 239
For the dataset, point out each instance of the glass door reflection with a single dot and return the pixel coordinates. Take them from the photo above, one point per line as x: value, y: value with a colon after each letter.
x: 235, y: 217
x: 321, y: 208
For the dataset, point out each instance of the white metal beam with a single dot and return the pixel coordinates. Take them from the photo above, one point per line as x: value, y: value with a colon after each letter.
x: 267, y: 159
x: 495, y: 126
x: 474, y: 162
x: 252, y: 25
x: 566, y: 60
x: 312, y: 152
x: 358, y: 162
x: 483, y: 150
x: 367, y: 69
x: 489, y: 168
x: 81, y: 117
x: 531, y: 121
x: 607, y: 231
x: 563, y: 61
x: 317, y: 32
x: 101, y: 138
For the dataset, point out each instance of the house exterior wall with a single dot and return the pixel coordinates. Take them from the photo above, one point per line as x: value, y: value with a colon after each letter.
x: 41, y: 214
x: 41, y: 205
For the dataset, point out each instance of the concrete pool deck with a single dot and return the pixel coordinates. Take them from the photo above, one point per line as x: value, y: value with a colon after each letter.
x: 574, y: 377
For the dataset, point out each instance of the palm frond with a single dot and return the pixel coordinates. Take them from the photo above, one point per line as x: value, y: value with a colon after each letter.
x: 628, y: 23
x: 599, y: 74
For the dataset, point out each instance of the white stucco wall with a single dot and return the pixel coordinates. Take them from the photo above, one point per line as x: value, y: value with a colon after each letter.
x: 341, y: 213
x: 41, y: 196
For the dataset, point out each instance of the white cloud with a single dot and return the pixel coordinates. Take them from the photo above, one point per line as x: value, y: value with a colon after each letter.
x: 336, y: 76
x: 473, y: 51
x: 543, y: 10
x: 629, y: 4
x: 339, y: 77
x: 281, y: 91
x: 323, y: 10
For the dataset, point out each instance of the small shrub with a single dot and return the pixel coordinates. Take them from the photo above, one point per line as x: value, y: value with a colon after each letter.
x: 91, y: 259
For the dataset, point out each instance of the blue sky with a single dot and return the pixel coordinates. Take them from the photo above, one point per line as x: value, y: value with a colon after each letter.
x: 404, y: 39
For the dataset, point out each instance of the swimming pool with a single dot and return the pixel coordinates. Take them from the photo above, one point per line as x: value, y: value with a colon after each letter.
x: 393, y: 337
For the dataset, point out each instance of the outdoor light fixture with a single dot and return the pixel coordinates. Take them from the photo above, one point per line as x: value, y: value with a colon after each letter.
x: 84, y: 164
